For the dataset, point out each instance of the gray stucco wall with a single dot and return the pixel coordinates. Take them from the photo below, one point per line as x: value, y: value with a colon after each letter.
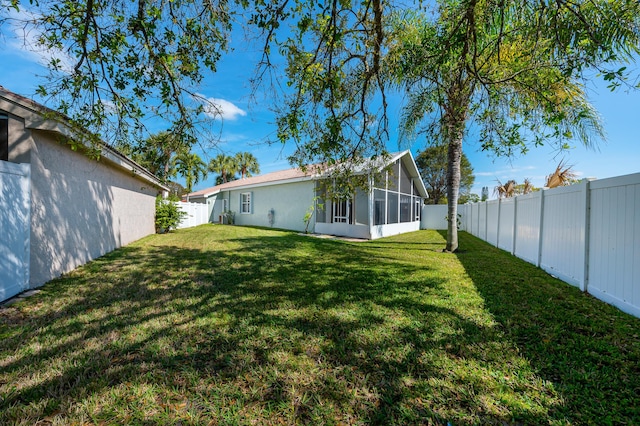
x: 289, y: 202
x: 80, y: 208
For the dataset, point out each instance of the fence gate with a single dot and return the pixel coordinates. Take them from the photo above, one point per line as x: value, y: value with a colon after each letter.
x: 197, y: 214
x: 15, y: 227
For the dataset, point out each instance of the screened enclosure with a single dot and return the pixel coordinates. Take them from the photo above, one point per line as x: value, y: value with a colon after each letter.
x: 393, y: 197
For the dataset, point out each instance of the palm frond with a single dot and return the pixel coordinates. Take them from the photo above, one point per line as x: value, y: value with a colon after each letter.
x: 562, y: 176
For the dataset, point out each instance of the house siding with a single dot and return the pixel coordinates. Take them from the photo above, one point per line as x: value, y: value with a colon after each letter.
x: 289, y: 201
x: 290, y: 194
x: 20, y: 140
x: 215, y: 208
x: 81, y: 209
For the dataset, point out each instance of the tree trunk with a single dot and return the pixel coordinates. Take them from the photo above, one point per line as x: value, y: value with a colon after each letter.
x: 167, y: 165
x: 453, y: 189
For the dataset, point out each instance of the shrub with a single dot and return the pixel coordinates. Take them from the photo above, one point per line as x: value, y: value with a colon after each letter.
x: 168, y: 215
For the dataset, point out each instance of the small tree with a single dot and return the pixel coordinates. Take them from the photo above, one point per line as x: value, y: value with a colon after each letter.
x: 191, y: 167
x: 310, y: 211
x: 485, y: 193
x: 168, y: 215
x: 432, y: 164
x: 175, y: 189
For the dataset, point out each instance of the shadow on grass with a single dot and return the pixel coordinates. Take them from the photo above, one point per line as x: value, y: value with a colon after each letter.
x: 239, y: 325
x: 273, y: 325
x: 588, y: 350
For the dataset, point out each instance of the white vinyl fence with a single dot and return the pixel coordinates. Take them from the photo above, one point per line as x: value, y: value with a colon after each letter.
x: 197, y: 214
x: 434, y: 216
x: 15, y: 223
x: 587, y: 234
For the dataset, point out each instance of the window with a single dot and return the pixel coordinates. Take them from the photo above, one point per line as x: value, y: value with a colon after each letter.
x: 405, y: 180
x: 405, y: 208
x: 378, y: 213
x: 380, y: 207
x: 4, y: 137
x: 342, y: 211
x: 392, y: 207
x: 322, y: 207
x: 245, y: 203
x: 393, y: 177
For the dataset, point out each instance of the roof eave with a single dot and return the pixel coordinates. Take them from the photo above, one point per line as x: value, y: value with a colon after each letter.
x: 35, y: 120
x: 221, y: 187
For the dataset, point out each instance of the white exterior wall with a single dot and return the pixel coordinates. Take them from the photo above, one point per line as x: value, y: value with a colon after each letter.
x: 81, y: 209
x: 345, y: 230
x: 15, y: 206
x: 216, y: 209
x: 391, y: 229
x: 289, y: 201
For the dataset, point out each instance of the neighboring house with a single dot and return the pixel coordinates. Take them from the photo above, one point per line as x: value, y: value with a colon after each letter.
x: 60, y: 209
x: 390, y: 204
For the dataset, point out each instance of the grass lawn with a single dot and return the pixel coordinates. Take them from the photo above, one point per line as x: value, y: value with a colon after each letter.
x: 232, y: 325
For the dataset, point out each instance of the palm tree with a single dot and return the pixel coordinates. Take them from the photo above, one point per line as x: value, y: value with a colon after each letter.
x: 191, y: 167
x: 156, y: 154
x: 226, y: 166
x: 247, y: 164
x: 166, y: 144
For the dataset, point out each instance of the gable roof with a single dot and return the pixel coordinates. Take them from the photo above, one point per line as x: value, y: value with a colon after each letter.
x: 39, y: 117
x: 314, y: 172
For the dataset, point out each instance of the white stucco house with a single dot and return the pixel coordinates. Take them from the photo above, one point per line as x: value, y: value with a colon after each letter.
x: 59, y: 208
x: 390, y: 204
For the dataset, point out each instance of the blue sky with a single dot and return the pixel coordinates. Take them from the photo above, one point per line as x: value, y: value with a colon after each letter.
x: 246, y: 124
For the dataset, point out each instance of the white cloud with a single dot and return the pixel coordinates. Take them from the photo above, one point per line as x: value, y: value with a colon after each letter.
x: 24, y: 36
x: 221, y: 109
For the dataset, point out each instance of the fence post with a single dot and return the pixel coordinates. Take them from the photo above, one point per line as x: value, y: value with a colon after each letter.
x: 486, y: 221
x: 587, y: 232
x: 541, y: 228
x: 498, y: 223
x: 515, y: 225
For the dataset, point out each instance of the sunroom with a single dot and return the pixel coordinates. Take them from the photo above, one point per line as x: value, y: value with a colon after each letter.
x: 389, y: 204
